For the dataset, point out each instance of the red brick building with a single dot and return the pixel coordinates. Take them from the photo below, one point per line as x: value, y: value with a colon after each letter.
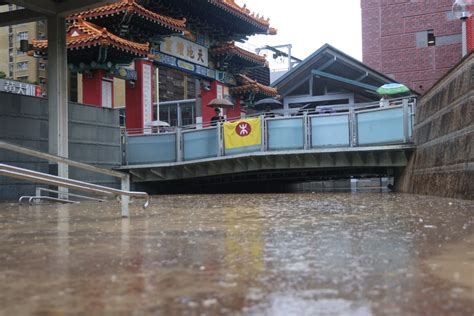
x: 414, y: 41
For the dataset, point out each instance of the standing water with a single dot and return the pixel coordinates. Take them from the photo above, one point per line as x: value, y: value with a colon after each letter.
x: 294, y: 254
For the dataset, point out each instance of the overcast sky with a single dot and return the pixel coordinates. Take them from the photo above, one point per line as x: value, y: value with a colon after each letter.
x: 309, y: 24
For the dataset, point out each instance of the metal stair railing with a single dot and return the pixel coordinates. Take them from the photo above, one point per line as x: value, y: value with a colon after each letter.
x: 44, y: 178
x: 39, y: 191
x: 124, y: 193
x: 31, y: 199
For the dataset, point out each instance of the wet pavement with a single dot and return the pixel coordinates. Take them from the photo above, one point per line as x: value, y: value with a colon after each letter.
x: 295, y: 254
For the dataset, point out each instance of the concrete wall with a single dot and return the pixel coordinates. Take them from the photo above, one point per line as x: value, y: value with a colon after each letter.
x: 443, y: 163
x: 94, y: 138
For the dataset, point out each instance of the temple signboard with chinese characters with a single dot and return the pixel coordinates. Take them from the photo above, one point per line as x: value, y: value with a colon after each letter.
x: 176, y: 63
x: 187, y: 50
x: 17, y: 87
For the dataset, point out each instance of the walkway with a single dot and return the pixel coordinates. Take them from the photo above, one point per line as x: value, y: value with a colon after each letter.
x: 360, y: 139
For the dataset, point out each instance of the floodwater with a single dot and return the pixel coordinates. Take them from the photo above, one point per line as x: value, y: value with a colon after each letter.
x: 288, y: 254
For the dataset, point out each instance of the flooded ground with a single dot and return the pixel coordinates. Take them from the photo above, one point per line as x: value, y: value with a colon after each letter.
x: 299, y: 254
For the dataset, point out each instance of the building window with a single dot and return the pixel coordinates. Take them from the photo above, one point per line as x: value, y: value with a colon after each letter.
x: 42, y: 80
x: 41, y: 66
x: 21, y: 36
x: 431, y: 38
x: 19, y: 52
x: 22, y: 65
x: 23, y: 78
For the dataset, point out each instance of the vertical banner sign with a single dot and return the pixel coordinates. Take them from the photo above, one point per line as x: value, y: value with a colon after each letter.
x: 220, y: 92
x: 107, y: 94
x: 147, y: 97
x: 243, y: 133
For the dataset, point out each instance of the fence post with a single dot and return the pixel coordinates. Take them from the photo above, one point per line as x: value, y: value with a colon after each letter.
x: 405, y: 120
x: 124, y: 146
x: 353, y: 128
x: 219, y: 140
x: 179, y: 151
x: 306, y: 131
x: 264, y: 135
x: 125, y: 200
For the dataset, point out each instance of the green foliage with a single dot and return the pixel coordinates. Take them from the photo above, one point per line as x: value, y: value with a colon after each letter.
x: 2, y: 75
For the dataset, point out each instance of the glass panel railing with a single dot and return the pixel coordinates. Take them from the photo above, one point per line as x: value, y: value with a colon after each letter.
x: 330, y: 131
x: 285, y: 134
x: 242, y: 150
x: 380, y: 126
x: 200, y: 144
x: 148, y: 149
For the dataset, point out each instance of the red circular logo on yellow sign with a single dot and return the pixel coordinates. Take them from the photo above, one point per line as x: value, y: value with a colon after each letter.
x: 243, y: 129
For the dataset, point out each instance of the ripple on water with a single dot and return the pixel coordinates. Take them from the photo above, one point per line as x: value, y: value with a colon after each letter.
x: 282, y: 254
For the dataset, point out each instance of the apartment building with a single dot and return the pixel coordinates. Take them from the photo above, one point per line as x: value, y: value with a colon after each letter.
x: 16, y: 64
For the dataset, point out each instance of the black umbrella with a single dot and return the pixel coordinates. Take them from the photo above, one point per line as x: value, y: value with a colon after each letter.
x: 268, y: 104
x: 221, y: 103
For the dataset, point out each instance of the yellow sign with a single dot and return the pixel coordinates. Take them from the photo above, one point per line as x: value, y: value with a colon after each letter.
x: 243, y: 133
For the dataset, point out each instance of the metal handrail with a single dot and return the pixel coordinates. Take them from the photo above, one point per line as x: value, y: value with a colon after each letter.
x: 40, y: 189
x: 44, y: 178
x: 58, y: 159
x: 124, y: 177
x: 49, y: 198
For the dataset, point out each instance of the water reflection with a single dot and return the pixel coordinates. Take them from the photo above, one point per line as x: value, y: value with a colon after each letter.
x: 244, y: 245
x: 306, y: 254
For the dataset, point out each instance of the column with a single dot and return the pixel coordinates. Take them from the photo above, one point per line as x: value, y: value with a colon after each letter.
x: 207, y: 95
x: 236, y: 111
x: 139, y: 96
x: 57, y: 92
x: 97, y: 89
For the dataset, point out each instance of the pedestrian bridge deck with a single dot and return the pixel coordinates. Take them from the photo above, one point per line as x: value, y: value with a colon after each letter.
x: 358, y: 139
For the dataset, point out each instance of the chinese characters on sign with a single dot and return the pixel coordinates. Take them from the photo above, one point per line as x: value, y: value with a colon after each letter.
x: 187, y: 50
x: 16, y: 87
x: 147, y: 97
x: 177, y: 63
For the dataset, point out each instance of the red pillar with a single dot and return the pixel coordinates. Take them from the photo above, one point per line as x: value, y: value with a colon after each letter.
x: 206, y: 97
x: 97, y: 89
x: 216, y: 91
x: 235, y: 112
x: 139, y: 97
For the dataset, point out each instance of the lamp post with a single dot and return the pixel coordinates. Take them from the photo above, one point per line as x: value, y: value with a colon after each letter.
x: 462, y: 12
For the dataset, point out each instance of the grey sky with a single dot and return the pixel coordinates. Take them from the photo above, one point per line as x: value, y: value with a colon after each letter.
x: 309, y: 24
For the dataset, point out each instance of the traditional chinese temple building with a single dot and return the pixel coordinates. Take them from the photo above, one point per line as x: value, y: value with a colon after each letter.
x: 176, y: 54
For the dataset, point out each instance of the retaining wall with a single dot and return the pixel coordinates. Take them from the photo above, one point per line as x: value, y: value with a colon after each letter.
x: 443, y: 163
x: 94, y: 138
